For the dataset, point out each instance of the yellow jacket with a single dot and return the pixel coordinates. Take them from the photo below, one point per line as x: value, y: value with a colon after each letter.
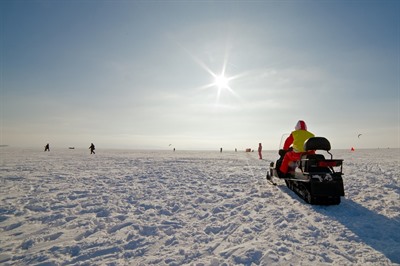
x: 297, y: 138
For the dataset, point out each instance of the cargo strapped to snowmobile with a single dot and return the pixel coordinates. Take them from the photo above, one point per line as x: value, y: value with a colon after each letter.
x: 316, y: 163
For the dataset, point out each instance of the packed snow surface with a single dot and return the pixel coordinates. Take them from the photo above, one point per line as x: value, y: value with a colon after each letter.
x: 67, y: 207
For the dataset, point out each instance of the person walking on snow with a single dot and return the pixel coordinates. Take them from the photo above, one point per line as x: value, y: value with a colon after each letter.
x: 47, y: 147
x: 92, y: 148
x: 259, y: 151
x: 296, y: 139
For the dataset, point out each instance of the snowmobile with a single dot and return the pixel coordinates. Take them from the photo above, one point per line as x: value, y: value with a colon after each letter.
x: 315, y: 179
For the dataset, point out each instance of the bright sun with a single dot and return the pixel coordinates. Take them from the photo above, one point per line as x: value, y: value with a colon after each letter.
x: 222, y: 82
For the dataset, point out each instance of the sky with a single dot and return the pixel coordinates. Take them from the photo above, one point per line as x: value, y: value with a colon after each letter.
x: 142, y: 74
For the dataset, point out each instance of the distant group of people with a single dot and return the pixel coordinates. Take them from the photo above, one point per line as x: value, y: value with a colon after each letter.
x: 91, y: 148
x: 293, y: 145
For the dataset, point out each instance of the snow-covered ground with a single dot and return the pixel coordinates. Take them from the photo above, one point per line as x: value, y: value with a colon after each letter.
x: 67, y: 207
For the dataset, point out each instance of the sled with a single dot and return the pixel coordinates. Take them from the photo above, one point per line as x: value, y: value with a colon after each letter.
x: 315, y: 179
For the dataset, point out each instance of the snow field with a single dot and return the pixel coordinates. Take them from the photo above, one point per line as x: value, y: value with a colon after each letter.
x: 67, y: 207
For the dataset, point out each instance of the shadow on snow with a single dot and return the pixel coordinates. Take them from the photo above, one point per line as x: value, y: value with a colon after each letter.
x: 376, y: 230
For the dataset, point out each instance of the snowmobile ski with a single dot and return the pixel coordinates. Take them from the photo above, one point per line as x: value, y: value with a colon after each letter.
x: 269, y: 180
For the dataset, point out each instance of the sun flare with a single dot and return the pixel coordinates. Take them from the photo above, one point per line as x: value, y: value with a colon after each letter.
x: 221, y: 82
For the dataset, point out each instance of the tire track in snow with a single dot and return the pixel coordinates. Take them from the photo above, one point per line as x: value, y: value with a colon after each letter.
x: 262, y: 214
x: 234, y: 217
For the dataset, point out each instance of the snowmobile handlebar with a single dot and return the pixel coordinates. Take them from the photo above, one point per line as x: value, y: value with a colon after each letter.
x: 282, y: 152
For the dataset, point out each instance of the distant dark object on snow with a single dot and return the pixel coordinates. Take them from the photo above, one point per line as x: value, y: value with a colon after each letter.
x: 71, y: 148
x: 92, y: 148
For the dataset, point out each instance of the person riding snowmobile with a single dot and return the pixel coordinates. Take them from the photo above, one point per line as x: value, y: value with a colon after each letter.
x: 296, y: 139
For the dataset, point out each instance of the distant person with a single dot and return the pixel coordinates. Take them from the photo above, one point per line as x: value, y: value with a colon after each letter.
x: 47, y: 147
x: 260, y: 151
x: 174, y: 149
x: 296, y: 139
x: 220, y: 150
x: 92, y: 148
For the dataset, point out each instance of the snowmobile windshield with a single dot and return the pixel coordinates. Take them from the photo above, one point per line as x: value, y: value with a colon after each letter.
x: 283, y: 138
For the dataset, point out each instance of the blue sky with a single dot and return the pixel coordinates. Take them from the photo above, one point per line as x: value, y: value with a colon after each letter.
x: 141, y: 74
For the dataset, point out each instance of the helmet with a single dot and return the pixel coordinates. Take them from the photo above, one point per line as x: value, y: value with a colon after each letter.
x: 301, y: 125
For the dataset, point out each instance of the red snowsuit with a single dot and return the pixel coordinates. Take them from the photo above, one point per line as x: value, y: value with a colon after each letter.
x: 297, y: 139
x: 259, y: 151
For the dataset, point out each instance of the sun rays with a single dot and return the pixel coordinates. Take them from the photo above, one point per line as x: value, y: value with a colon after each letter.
x: 220, y: 82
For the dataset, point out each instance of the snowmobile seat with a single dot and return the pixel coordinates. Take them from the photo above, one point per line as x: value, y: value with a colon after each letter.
x: 310, y: 163
x: 317, y: 143
x: 320, y: 157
